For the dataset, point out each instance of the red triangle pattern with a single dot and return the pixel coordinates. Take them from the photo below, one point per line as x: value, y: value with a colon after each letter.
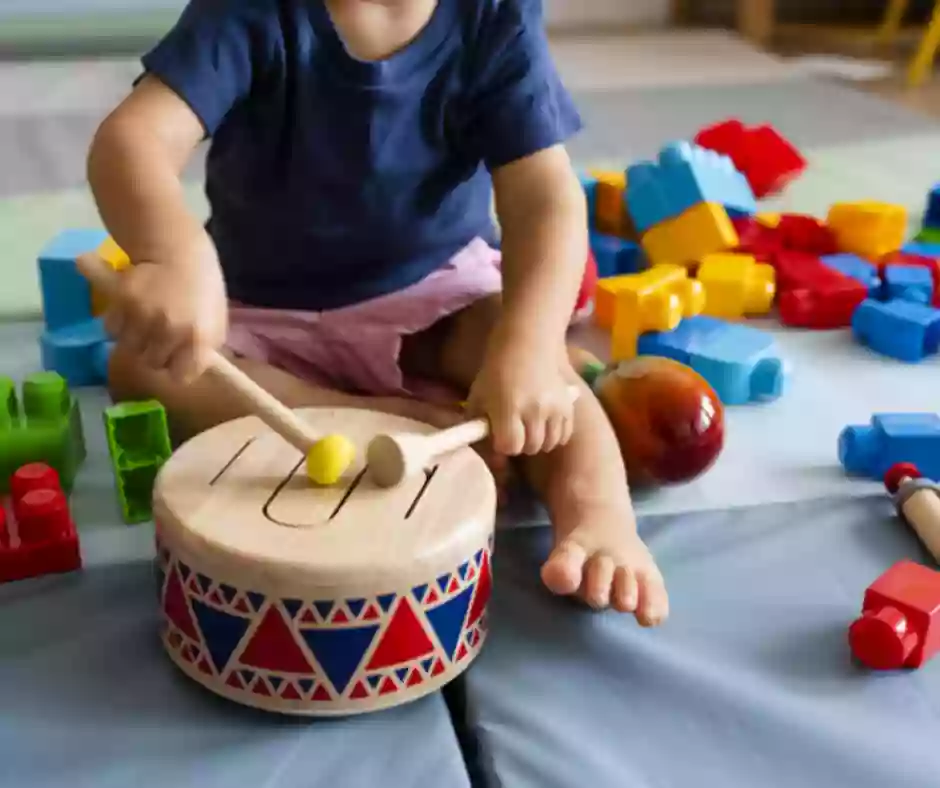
x: 454, y: 586
x: 371, y: 613
x: 415, y: 678
x: 290, y: 692
x: 235, y: 681
x: 321, y: 693
x: 176, y: 607
x: 359, y: 691
x: 339, y: 617
x: 194, y: 586
x: 484, y: 589
x: 308, y: 617
x: 260, y: 688
x: 432, y: 597
x: 187, y: 654
x: 242, y: 606
x: 174, y: 639
x: 404, y: 640
x: 461, y: 652
x: 388, y: 686
x: 471, y: 573
x: 438, y: 667
x: 274, y: 648
x: 215, y: 598
x: 205, y: 667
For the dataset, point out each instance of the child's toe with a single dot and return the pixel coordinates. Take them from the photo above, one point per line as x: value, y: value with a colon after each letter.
x: 625, y: 593
x: 563, y: 572
x: 653, y: 607
x: 598, y: 578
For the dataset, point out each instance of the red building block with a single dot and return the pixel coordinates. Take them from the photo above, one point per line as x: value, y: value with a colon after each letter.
x: 45, y: 541
x: 903, y: 258
x: 801, y: 233
x: 766, y: 159
x: 756, y: 239
x: 588, y: 288
x: 900, y: 622
x: 812, y: 295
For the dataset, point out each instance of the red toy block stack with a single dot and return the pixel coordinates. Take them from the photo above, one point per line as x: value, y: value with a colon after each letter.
x: 45, y: 540
x: 812, y: 295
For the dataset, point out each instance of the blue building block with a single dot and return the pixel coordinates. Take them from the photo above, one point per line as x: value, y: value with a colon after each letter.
x: 740, y: 363
x: 870, y: 450
x: 66, y: 295
x: 922, y: 248
x: 589, y: 184
x: 79, y: 353
x: 932, y: 216
x: 908, y: 283
x: 615, y: 256
x: 855, y: 267
x: 899, y: 329
x: 684, y: 176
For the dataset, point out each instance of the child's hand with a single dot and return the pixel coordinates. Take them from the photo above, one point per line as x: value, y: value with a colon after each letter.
x: 172, y: 312
x: 524, y: 391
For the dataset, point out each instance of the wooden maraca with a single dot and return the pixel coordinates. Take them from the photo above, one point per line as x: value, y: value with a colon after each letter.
x: 918, y: 503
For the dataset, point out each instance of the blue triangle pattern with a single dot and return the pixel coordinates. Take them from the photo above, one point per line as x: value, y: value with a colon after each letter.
x: 463, y: 570
x: 185, y: 571
x: 385, y: 601
x: 375, y: 680
x: 427, y: 664
x: 324, y: 608
x: 292, y: 606
x: 306, y: 685
x: 205, y: 583
x: 228, y: 593
x: 478, y: 557
x: 340, y: 651
x: 276, y: 681
x: 248, y: 676
x: 442, y: 582
x: 256, y: 600
x: 221, y: 632
x: 447, y: 619
x: 355, y: 606
x: 419, y: 592
x: 401, y: 673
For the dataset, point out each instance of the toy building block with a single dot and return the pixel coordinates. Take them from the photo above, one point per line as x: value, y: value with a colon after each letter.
x: 589, y: 184
x: 855, y: 268
x: 66, y: 295
x: 899, y: 329
x: 609, y: 210
x: 932, y: 264
x: 929, y: 235
x: 139, y: 445
x: 117, y: 258
x: 763, y: 156
x: 741, y: 363
x: 769, y: 220
x: 37, y: 535
x: 900, y: 622
x: 801, y: 233
x: 870, y: 450
x: 584, y: 304
x: 700, y: 231
x: 684, y: 176
x: 922, y: 248
x: 736, y: 285
x: 813, y: 295
x: 655, y: 300
x: 869, y: 229
x: 79, y: 353
x: 932, y: 214
x: 908, y: 283
x: 616, y: 256
x: 672, y: 279
x: 46, y: 426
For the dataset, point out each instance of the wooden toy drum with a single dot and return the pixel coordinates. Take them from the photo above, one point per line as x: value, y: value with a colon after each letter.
x: 300, y: 599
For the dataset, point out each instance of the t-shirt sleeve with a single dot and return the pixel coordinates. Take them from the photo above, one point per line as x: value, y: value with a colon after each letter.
x: 519, y: 105
x: 211, y: 56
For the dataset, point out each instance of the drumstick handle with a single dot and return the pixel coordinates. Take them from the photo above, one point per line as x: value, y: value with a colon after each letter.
x: 922, y: 512
x: 265, y: 406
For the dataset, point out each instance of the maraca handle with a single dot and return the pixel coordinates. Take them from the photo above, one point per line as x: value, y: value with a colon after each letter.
x: 266, y: 407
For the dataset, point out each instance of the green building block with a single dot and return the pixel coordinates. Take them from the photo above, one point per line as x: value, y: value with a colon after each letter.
x: 929, y: 235
x: 45, y: 425
x: 139, y: 444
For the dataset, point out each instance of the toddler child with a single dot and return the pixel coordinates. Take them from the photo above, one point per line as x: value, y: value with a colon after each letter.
x: 351, y: 253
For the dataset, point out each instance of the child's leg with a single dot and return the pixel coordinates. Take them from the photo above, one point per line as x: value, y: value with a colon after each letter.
x: 208, y: 402
x: 597, y: 554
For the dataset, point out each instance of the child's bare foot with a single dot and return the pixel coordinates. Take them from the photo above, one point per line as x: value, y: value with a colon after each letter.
x: 599, y: 556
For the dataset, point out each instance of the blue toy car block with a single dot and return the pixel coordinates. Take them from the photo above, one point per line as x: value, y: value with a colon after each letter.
x: 740, y: 363
x: 854, y: 267
x: 66, y: 295
x: 932, y: 216
x: 684, y: 176
x: 908, y: 283
x: 922, y: 248
x: 78, y: 353
x: 899, y: 329
x: 870, y: 450
x: 589, y: 184
x: 615, y: 256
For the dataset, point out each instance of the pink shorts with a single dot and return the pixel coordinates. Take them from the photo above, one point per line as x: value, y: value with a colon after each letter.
x: 356, y: 348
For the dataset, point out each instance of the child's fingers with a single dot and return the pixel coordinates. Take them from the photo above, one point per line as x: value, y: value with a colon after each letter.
x: 535, y: 424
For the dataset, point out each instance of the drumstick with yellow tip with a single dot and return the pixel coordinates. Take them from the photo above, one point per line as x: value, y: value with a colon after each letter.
x: 327, y: 458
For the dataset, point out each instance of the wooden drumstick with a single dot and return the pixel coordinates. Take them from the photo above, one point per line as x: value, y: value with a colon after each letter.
x: 918, y: 504
x: 393, y: 458
x: 266, y: 407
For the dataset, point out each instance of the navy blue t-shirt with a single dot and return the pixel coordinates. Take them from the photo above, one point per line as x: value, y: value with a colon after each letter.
x: 332, y: 180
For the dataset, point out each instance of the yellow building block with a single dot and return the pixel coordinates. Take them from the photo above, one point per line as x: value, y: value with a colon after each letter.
x: 610, y: 213
x: 869, y: 229
x: 605, y: 299
x: 736, y: 285
x: 685, y: 240
x: 654, y: 300
x: 769, y: 220
x: 116, y: 257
